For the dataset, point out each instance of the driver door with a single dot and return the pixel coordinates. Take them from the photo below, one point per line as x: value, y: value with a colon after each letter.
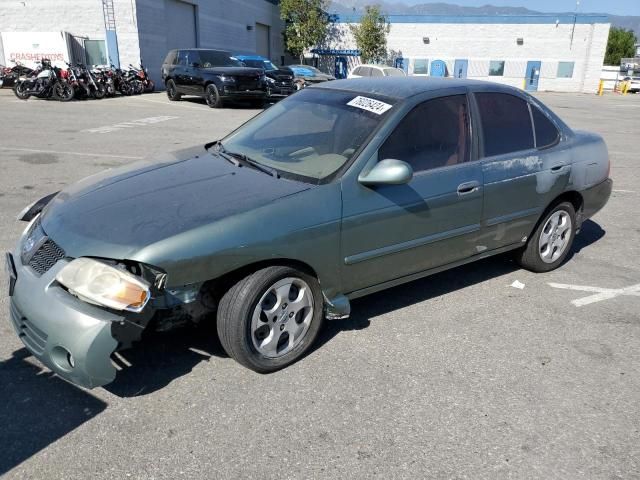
x: 394, y: 231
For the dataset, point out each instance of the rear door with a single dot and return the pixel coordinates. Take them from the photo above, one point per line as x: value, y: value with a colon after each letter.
x: 519, y: 179
x: 391, y: 231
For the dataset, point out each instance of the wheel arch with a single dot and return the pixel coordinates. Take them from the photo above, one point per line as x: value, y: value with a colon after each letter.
x: 219, y: 285
x: 573, y: 197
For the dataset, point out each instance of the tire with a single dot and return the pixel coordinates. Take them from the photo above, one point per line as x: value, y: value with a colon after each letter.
x: 172, y: 91
x: 19, y: 91
x: 551, y: 241
x: 212, y: 96
x: 256, y: 313
x: 100, y: 92
x: 63, y: 92
x: 149, y: 87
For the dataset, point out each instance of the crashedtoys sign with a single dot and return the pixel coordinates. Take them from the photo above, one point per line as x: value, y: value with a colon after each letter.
x: 29, y: 48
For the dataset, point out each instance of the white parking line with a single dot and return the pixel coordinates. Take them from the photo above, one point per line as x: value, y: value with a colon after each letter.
x: 599, y: 293
x: 171, y: 104
x: 81, y: 154
x: 141, y: 122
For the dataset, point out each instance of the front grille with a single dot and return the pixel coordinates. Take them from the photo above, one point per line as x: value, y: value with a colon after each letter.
x: 46, y: 257
x: 34, y: 338
x: 247, y: 83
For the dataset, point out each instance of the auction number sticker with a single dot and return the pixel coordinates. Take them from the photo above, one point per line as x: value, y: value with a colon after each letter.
x: 370, y: 105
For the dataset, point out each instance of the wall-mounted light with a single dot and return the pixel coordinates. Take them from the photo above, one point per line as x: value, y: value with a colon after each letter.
x: 249, y: 27
x: 425, y: 40
x: 520, y: 41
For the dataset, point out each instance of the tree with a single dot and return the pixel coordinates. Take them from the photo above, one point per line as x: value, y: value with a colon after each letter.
x: 371, y: 35
x: 306, y: 24
x: 619, y: 45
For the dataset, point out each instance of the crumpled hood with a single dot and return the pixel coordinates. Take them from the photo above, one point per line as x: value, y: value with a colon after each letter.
x: 116, y: 213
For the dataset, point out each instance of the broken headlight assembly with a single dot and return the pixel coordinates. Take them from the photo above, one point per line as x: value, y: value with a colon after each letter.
x: 100, y: 284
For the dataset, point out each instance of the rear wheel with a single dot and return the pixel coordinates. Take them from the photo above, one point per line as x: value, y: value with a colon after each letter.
x: 149, y: 87
x: 269, y: 319
x: 551, y: 241
x: 212, y: 96
x: 172, y: 91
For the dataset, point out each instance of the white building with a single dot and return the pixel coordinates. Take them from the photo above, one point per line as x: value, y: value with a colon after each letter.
x: 536, y: 52
x: 126, y: 31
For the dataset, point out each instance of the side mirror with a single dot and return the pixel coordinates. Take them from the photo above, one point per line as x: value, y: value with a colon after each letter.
x: 388, y: 172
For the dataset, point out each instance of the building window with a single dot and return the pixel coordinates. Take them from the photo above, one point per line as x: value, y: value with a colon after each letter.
x: 420, y: 66
x: 496, y: 68
x: 95, y: 52
x: 565, y: 69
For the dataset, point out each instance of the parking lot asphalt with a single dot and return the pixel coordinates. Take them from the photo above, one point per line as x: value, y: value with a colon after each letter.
x: 459, y: 375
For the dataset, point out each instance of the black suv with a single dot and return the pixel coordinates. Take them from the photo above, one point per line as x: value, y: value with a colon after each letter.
x: 212, y: 74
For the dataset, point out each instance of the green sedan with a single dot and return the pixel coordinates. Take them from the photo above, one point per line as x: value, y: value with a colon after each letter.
x: 341, y: 190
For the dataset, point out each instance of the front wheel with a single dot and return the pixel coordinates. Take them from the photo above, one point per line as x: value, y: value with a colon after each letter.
x: 269, y: 319
x: 212, y: 96
x: 100, y: 91
x: 20, y: 91
x: 63, y: 92
x: 149, y: 87
x: 551, y: 241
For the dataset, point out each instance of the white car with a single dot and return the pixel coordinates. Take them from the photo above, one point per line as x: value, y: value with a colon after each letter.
x: 634, y: 84
x: 376, y: 71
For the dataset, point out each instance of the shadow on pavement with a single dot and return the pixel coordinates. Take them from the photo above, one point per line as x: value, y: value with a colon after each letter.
x: 36, y: 409
x: 161, y: 358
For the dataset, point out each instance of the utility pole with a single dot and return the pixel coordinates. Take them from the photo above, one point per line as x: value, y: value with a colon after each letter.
x: 575, y: 18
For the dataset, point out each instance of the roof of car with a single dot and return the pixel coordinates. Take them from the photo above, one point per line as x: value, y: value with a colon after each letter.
x: 404, y: 87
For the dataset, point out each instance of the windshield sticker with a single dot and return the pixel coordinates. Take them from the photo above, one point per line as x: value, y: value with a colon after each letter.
x: 369, y: 104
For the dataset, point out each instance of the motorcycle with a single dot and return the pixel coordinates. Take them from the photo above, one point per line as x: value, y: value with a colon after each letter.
x: 46, y: 81
x: 143, y: 75
x: 85, y: 83
x: 9, y: 75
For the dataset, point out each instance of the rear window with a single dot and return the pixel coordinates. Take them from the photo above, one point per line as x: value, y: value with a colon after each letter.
x: 376, y: 72
x: 546, y: 132
x: 506, y: 123
x: 393, y: 72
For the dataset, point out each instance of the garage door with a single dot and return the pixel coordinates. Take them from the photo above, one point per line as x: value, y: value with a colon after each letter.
x: 263, y: 40
x: 181, y: 24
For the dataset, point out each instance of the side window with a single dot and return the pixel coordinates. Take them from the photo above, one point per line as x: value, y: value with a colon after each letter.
x: 506, y: 123
x: 183, y: 56
x: 356, y: 71
x: 365, y: 71
x: 546, y: 132
x: 376, y: 72
x: 434, y: 134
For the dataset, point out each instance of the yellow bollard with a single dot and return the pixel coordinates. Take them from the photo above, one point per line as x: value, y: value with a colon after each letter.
x: 601, y: 88
x: 625, y: 87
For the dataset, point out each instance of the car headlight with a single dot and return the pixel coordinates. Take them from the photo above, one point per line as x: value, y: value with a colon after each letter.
x: 227, y: 79
x: 101, y: 284
x: 270, y: 80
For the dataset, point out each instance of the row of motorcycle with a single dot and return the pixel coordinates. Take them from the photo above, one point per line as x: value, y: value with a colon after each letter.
x: 76, y: 81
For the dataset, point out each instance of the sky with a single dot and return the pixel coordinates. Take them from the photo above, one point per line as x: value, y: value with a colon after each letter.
x: 614, y: 7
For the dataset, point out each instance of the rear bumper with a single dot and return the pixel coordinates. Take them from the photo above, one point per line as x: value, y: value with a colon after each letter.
x: 595, y: 198
x: 70, y: 337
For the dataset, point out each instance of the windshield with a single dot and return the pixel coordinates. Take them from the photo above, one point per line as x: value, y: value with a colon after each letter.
x: 266, y: 64
x: 305, y: 70
x: 310, y: 135
x: 393, y: 72
x: 211, y: 58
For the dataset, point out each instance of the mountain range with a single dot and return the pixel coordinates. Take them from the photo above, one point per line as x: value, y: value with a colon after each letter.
x: 344, y: 7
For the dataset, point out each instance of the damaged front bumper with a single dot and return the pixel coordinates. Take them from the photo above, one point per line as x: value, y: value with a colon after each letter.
x: 72, y: 338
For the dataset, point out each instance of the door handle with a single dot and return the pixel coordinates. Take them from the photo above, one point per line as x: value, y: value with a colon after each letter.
x: 557, y: 168
x: 468, y: 187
